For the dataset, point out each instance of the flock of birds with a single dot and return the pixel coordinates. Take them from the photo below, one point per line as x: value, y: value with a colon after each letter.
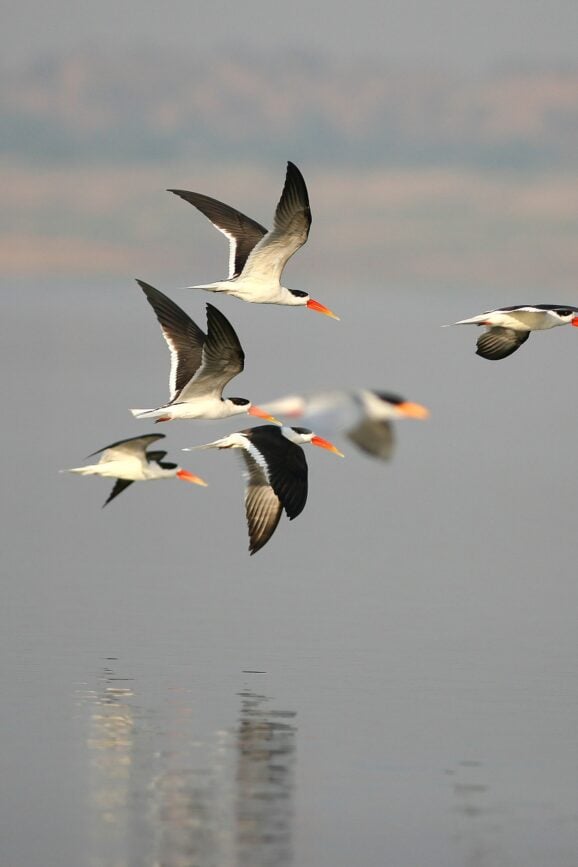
x: 203, y: 364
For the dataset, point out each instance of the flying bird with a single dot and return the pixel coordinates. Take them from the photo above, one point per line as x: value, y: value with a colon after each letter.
x: 276, y: 474
x: 364, y: 415
x: 509, y: 327
x: 201, y: 364
x: 128, y: 461
x: 257, y: 256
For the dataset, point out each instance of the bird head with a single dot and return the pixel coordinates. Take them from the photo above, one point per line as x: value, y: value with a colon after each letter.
x: 383, y: 405
x: 302, y: 298
x: 302, y: 435
x: 242, y: 405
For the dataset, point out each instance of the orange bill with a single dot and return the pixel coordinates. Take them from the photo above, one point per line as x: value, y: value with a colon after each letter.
x: 320, y: 308
x: 325, y: 444
x: 260, y: 413
x: 190, y: 477
x: 413, y: 410
x: 574, y: 321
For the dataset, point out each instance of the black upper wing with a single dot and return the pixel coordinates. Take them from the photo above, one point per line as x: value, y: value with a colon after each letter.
x: 293, y: 212
x: 133, y: 446
x: 156, y: 456
x: 222, y: 357
x: 243, y: 232
x: 183, y: 336
x: 556, y: 307
x: 289, y: 233
x: 286, y: 467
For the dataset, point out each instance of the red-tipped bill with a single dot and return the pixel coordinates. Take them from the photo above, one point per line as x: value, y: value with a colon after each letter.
x: 325, y: 444
x: 413, y: 410
x: 260, y: 413
x: 190, y: 477
x: 574, y: 321
x: 320, y: 308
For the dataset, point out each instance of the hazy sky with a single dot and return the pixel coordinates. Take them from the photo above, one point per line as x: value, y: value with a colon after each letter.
x: 463, y: 33
x: 500, y: 209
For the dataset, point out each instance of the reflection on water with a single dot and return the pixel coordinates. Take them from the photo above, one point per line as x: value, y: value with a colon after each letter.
x: 191, y: 793
x: 110, y: 744
x: 265, y: 770
x: 165, y: 795
x: 477, y: 829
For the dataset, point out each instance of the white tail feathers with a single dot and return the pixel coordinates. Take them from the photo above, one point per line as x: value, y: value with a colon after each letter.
x: 159, y: 413
x: 210, y: 287
x: 223, y: 443
x: 474, y: 320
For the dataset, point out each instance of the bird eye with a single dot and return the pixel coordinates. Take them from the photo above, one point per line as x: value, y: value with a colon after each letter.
x: 565, y: 312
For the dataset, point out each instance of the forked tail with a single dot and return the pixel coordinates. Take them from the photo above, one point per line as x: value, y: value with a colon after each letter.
x: 216, y: 444
x: 160, y: 414
x: 221, y: 286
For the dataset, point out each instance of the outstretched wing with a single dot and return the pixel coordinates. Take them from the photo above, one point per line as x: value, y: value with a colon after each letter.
x: 156, y: 456
x: 289, y: 233
x: 500, y: 342
x: 222, y: 357
x: 123, y: 450
x: 119, y: 486
x: 242, y: 232
x: 276, y: 472
x: 262, y: 506
x: 284, y: 464
x: 375, y: 438
x: 183, y: 336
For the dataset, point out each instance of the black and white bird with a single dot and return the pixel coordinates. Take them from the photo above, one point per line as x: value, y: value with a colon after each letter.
x: 276, y: 474
x: 128, y: 461
x: 364, y: 415
x: 257, y: 256
x: 509, y: 327
x: 201, y: 364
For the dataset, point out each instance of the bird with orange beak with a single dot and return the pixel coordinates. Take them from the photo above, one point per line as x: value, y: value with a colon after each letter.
x: 201, y: 364
x: 128, y: 461
x: 363, y: 415
x: 276, y: 474
x: 508, y: 327
x: 257, y: 257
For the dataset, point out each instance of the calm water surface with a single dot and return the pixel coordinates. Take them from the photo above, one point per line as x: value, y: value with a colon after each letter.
x: 392, y: 680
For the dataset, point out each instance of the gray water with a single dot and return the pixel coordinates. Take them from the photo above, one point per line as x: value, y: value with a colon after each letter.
x: 391, y: 680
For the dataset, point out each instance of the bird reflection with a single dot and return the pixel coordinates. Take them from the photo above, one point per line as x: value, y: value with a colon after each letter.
x: 191, y: 796
x: 265, y: 784
x: 477, y: 832
x: 110, y: 742
x: 162, y: 796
